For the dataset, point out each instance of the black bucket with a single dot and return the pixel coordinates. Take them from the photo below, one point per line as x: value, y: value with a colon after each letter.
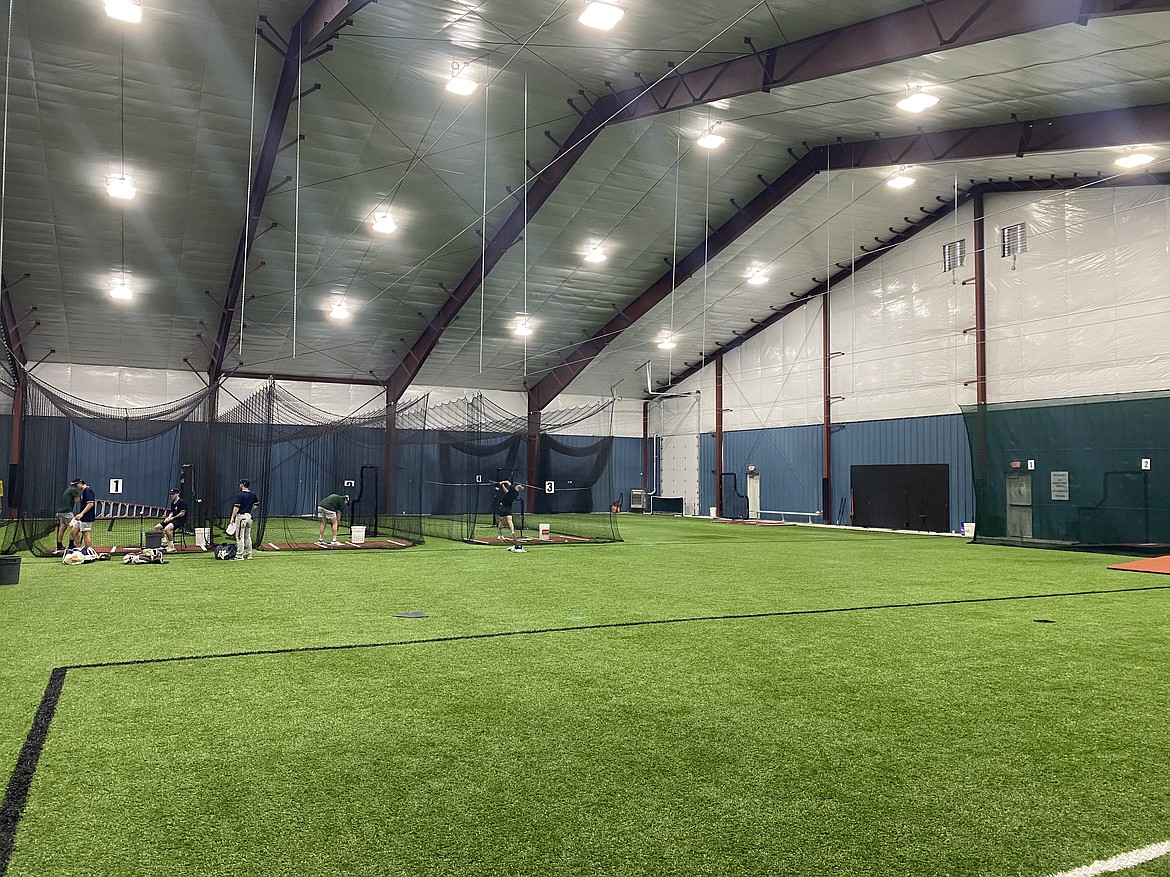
x: 9, y: 569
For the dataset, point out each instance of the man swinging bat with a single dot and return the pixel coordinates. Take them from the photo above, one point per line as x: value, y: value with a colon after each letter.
x: 506, y: 493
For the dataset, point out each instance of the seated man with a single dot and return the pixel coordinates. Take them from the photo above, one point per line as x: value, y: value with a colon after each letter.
x: 330, y: 510
x: 176, y: 515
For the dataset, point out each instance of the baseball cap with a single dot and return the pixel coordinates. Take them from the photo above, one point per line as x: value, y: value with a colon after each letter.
x: 175, y: 490
x: 76, y: 480
x: 244, y: 482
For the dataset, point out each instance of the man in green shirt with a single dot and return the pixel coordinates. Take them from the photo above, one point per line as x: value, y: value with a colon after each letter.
x: 65, y: 510
x: 329, y: 510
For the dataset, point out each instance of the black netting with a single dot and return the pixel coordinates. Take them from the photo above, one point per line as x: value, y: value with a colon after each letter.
x: 293, y: 453
x: 130, y: 457
x: 565, y: 465
x: 1074, y: 472
x: 296, y: 455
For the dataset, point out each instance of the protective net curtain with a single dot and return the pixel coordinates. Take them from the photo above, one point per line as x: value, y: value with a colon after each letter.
x: 131, y: 457
x: 473, y: 444
x: 294, y: 455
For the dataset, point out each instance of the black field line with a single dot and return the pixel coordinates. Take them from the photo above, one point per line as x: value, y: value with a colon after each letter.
x: 463, y: 637
x: 16, y: 795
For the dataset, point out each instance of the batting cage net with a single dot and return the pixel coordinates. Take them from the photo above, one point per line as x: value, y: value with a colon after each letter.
x: 1083, y: 473
x: 306, y: 465
x: 563, y: 462
x: 130, y: 458
x: 295, y: 457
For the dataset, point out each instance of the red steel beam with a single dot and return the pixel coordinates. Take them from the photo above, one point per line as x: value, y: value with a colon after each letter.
x: 320, y: 23
x: 538, y: 193
x: 909, y: 33
x: 934, y: 25
x: 903, y: 236
x: 1090, y: 130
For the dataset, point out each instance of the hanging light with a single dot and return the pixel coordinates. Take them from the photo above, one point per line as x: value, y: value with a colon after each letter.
x: 600, y: 15
x: 666, y: 342
x: 916, y: 100
x: 900, y: 180
x: 595, y: 254
x: 120, y: 186
x: 1134, y: 159
x: 460, y: 83
x: 384, y: 223
x: 337, y: 308
x: 125, y: 10
x: 120, y: 289
x: 522, y: 327
x: 757, y: 277
x: 709, y: 139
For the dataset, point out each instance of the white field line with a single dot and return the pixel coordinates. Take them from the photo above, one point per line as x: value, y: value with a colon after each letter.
x: 1120, y: 862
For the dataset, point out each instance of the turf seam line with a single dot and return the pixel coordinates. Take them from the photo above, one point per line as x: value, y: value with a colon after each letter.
x: 19, y: 784
x: 292, y: 650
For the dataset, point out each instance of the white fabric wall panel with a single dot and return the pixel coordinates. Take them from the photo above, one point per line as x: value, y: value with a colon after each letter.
x: 896, y: 331
x: 678, y: 424
x: 119, y: 387
x: 1082, y: 311
x: 627, y: 415
x: 774, y: 379
x: 513, y: 403
x: 338, y: 399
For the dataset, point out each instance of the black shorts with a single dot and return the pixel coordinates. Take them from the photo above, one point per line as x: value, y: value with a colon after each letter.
x: 502, y: 511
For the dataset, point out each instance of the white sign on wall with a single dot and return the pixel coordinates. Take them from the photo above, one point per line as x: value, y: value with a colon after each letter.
x: 115, y: 486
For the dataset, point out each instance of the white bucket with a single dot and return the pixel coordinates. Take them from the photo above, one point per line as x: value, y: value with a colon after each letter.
x: 203, y: 537
x: 969, y: 530
x: 544, y: 530
x: 357, y: 535
x: 714, y: 512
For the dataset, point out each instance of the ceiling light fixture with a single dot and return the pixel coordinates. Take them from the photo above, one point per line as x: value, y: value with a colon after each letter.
x: 900, y: 180
x: 916, y: 100
x: 337, y: 308
x: 384, y: 223
x: 522, y: 327
x: 1134, y: 159
x: 600, y: 15
x: 595, y: 254
x: 460, y: 83
x: 120, y: 186
x: 666, y: 343
x: 709, y: 139
x: 757, y: 277
x: 125, y: 10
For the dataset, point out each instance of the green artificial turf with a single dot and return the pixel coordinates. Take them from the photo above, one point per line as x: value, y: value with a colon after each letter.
x: 757, y: 730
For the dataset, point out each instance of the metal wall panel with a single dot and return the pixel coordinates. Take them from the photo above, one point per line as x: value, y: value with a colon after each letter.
x: 940, y: 439
x: 789, y: 462
x: 625, y: 469
x: 707, y: 476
